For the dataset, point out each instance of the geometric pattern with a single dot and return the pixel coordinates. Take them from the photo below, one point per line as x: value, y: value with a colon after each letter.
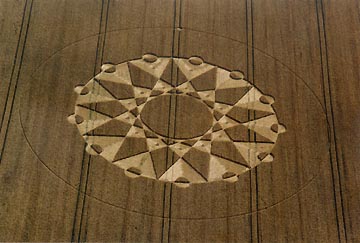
x: 176, y: 120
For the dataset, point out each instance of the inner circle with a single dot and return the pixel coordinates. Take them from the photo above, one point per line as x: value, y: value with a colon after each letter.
x: 177, y: 116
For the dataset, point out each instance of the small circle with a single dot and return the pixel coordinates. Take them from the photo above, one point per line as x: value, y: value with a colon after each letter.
x: 108, y: 68
x: 149, y: 58
x: 262, y: 156
x: 84, y: 91
x: 228, y: 175
x: 264, y: 100
x: 79, y: 119
x: 237, y: 75
x: 196, y: 60
x: 97, y: 148
x: 275, y: 128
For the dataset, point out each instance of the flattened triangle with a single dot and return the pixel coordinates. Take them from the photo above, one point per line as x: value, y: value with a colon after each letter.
x: 102, y: 141
x: 96, y: 94
x: 140, y: 77
x: 251, y: 100
x: 92, y: 119
x: 180, y: 149
x: 111, y: 128
x: 261, y: 114
x: 89, y: 114
x: 110, y: 108
x: 258, y: 147
x: 250, y: 151
x: 190, y: 71
x: 239, y: 114
x: 224, y: 81
x: 121, y: 75
x: 110, y: 145
x: 156, y: 68
x: 110, y: 151
x: 257, y: 106
x: 181, y: 170
x: 166, y: 76
x: 260, y: 138
x: 252, y: 95
x: 249, y: 155
x: 262, y: 126
x: 142, y: 162
x: 266, y: 121
x: 205, y: 81
x: 219, y: 166
x: 119, y: 91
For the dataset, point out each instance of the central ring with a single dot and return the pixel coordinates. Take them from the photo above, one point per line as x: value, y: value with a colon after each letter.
x: 177, y: 116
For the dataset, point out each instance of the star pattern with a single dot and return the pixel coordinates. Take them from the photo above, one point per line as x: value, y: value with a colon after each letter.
x: 109, y: 114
